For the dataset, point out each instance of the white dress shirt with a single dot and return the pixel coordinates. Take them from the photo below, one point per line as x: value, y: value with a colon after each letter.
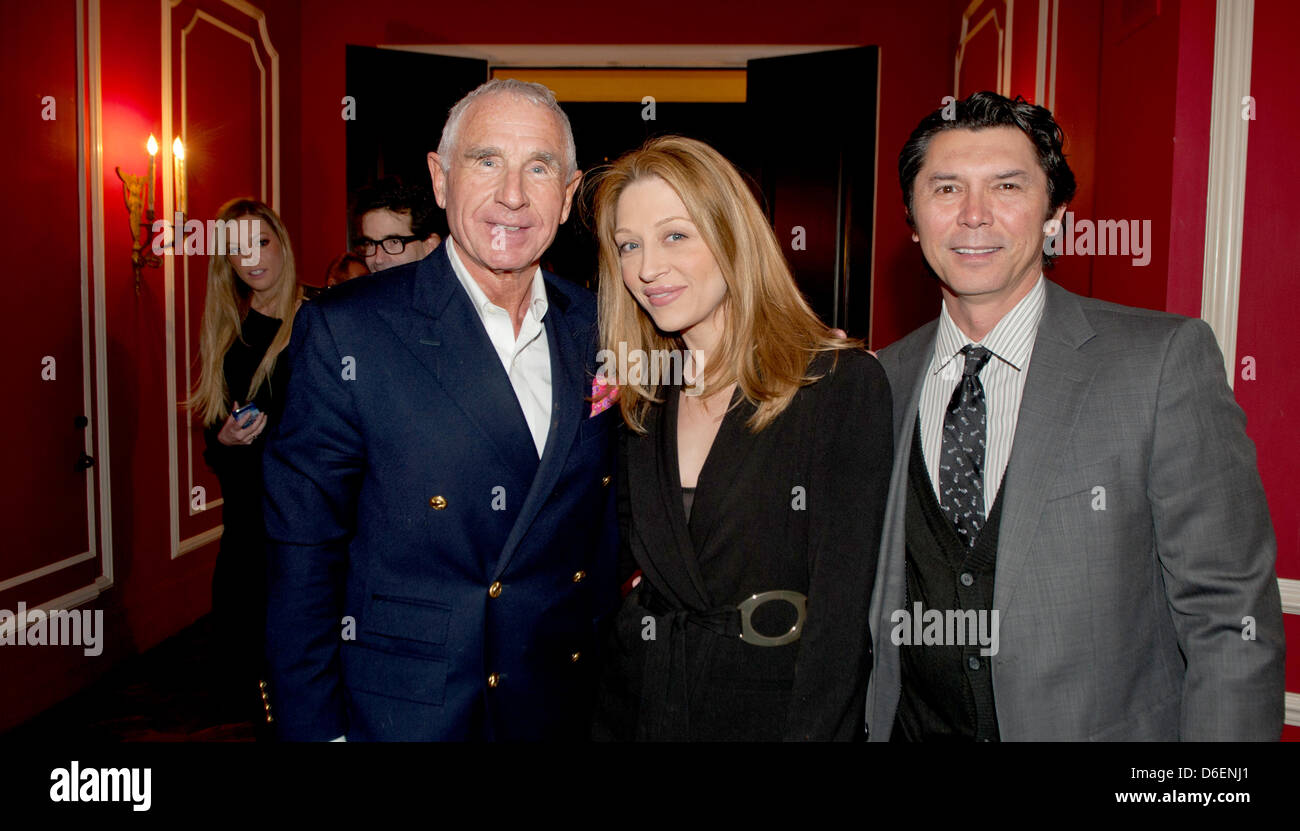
x: 1012, y: 343
x: 526, y: 358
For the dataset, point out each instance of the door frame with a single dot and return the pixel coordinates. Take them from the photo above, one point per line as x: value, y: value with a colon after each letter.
x: 657, y: 56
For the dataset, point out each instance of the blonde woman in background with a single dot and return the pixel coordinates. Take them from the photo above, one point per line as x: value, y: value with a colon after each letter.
x: 252, y: 296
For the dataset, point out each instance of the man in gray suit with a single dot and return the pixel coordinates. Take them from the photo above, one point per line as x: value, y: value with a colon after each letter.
x: 1077, y: 545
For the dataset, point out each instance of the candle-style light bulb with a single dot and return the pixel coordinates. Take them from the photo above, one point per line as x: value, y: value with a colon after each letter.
x: 178, y: 173
x: 152, y: 147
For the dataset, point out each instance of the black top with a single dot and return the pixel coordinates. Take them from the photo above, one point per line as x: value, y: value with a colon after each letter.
x: 796, y: 507
x: 239, y: 468
x: 947, y: 688
x: 239, y: 579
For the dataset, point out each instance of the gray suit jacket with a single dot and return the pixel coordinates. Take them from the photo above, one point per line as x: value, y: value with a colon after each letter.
x: 1121, y: 609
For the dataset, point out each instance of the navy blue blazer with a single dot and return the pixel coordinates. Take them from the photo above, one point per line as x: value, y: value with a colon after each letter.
x: 430, y: 578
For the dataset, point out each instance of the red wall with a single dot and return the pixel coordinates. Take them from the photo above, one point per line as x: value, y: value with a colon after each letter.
x: 1268, y: 279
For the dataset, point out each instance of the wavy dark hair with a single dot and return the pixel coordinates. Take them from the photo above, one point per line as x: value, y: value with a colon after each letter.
x: 391, y: 193
x: 981, y: 111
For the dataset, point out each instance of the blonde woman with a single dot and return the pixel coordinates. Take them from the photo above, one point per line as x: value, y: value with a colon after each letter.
x: 752, y: 483
x: 252, y: 295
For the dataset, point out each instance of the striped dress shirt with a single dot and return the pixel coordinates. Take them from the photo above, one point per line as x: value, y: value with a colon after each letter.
x: 1012, y: 343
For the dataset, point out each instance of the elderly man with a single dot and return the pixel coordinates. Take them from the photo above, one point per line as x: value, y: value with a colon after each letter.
x: 439, y: 498
x: 1073, y: 484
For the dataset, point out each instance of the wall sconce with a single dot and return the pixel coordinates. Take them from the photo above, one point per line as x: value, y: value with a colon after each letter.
x: 133, y: 191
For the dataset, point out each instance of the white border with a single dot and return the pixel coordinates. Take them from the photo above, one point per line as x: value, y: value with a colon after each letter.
x: 1226, y: 191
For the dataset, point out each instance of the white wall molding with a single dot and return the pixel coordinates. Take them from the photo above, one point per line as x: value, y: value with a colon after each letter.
x: 1040, y: 59
x: 617, y: 55
x: 199, y: 540
x: 90, y: 203
x: 71, y: 600
x: 169, y: 283
x: 222, y: 26
x: 103, y: 467
x: 1051, y: 87
x: 270, y: 193
x: 1004, y: 32
x: 1226, y: 191
x: 1290, y: 590
x: 265, y: 36
x: 49, y: 568
x: 1045, y: 63
x: 90, y: 235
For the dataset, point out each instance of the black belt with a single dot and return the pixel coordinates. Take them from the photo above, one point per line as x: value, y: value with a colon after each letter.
x: 732, y: 621
x: 665, y: 714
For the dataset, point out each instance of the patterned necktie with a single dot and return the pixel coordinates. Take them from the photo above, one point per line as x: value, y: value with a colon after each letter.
x: 961, y: 462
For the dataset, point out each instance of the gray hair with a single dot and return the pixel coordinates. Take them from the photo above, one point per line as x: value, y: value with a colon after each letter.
x: 527, y: 90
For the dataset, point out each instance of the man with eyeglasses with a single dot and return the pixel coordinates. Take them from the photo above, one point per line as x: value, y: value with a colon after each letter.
x: 397, y: 224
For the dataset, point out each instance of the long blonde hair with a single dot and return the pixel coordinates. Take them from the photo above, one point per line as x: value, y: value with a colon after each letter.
x: 224, y: 310
x: 770, y: 335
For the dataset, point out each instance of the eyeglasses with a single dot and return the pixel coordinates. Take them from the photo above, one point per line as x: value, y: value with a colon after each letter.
x: 392, y: 245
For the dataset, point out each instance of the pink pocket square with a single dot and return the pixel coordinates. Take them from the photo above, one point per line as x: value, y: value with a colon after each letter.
x: 603, y: 396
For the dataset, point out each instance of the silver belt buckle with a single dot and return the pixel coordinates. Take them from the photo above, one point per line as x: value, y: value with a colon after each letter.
x: 747, y: 606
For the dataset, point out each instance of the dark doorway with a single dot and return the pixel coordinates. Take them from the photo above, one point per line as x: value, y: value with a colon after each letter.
x: 813, y: 122
x: 401, y: 99
x: 805, y: 138
x: 605, y: 131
